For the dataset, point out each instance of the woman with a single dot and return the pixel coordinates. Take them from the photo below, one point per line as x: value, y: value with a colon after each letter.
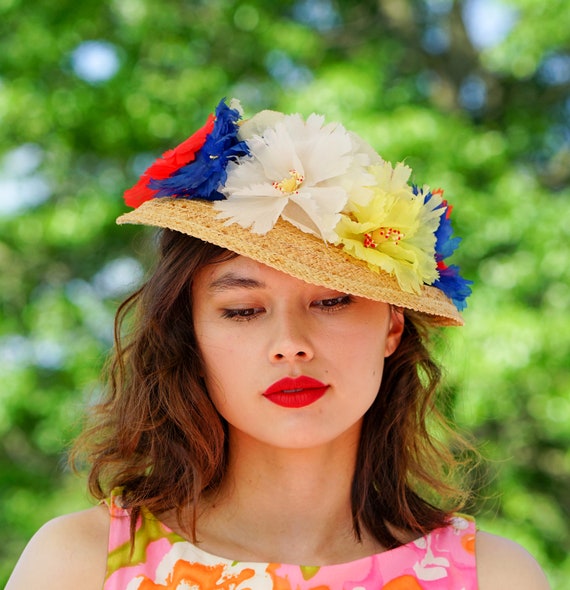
x: 266, y: 423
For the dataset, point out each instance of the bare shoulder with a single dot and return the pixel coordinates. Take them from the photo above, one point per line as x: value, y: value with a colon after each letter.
x: 502, y: 563
x: 67, y: 553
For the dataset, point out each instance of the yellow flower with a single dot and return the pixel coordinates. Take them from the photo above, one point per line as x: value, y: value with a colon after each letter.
x: 395, y: 230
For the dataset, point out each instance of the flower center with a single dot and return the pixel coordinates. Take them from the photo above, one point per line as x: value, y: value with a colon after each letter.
x: 290, y: 184
x: 382, y: 235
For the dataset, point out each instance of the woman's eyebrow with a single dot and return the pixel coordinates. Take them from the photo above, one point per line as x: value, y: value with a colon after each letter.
x: 233, y: 281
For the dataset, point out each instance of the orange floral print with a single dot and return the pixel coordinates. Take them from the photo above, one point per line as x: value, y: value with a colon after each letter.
x: 199, y: 577
x: 403, y: 583
x: 468, y: 543
x: 279, y: 583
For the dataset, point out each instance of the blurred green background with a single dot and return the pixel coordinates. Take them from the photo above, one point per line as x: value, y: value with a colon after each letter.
x: 473, y: 95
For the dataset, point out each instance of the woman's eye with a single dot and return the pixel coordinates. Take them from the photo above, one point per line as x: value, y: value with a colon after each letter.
x: 334, y: 302
x: 242, y: 314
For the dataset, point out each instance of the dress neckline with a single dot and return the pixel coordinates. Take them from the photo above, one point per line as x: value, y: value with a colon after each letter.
x: 456, y: 523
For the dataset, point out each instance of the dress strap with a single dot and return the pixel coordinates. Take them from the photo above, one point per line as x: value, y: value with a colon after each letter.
x: 120, y: 528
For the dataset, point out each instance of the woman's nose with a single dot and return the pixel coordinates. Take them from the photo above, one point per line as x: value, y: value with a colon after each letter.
x: 290, y: 341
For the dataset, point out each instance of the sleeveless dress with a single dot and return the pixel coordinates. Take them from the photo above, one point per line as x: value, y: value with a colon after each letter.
x: 442, y: 560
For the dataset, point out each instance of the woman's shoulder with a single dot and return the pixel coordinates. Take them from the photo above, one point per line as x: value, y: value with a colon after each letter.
x: 502, y: 563
x: 68, y: 552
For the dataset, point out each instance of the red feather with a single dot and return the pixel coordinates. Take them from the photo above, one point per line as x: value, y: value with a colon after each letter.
x: 167, y: 164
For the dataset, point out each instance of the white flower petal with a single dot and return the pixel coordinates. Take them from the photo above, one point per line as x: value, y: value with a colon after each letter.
x: 236, y: 105
x: 297, y: 216
x: 363, y: 149
x: 316, y: 211
x: 277, y: 155
x: 259, y: 123
x: 259, y: 213
x: 246, y: 173
x: 328, y: 158
x: 258, y: 190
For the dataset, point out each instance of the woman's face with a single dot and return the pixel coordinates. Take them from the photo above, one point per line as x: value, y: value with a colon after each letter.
x: 289, y: 364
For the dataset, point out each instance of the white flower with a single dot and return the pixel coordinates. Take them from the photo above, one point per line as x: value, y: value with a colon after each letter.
x: 259, y: 123
x: 301, y: 171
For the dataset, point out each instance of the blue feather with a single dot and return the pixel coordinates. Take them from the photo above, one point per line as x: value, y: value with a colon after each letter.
x: 207, y: 172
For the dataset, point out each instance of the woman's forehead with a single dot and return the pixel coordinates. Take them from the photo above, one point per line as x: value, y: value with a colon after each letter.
x: 241, y: 271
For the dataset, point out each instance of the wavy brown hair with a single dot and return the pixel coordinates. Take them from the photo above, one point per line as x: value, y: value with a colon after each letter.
x: 158, y: 436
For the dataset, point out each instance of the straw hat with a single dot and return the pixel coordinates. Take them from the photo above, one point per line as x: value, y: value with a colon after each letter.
x: 312, y: 200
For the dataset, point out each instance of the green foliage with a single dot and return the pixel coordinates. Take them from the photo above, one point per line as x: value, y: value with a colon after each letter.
x: 69, y: 146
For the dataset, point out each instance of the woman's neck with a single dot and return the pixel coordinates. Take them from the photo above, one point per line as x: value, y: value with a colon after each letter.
x: 285, y: 505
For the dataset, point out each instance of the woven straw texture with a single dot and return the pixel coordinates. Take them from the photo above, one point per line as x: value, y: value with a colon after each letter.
x: 294, y: 252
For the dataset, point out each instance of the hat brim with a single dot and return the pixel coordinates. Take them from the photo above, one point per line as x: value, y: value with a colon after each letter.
x: 294, y: 252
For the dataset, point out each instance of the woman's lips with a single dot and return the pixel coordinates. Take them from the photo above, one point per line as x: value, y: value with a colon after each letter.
x: 295, y: 393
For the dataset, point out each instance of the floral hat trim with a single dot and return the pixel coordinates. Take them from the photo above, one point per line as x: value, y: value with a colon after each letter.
x: 322, y: 179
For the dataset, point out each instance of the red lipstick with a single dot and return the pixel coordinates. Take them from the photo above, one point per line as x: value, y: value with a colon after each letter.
x: 295, y: 393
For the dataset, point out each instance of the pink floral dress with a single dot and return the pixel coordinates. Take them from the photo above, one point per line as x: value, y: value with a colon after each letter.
x: 442, y: 560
